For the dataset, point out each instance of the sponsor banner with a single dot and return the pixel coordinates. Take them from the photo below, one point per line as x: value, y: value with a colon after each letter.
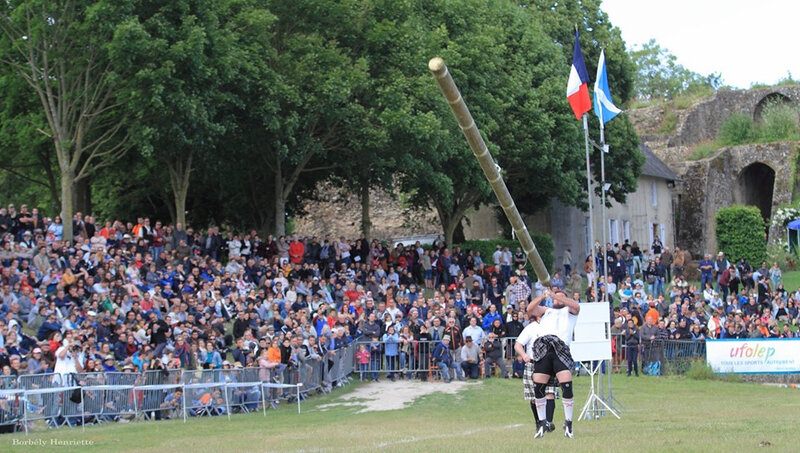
x: 754, y: 356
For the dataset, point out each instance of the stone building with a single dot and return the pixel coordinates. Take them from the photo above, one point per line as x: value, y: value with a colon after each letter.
x: 761, y: 175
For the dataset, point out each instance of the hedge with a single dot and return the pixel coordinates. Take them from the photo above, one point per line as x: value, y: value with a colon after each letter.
x: 544, y: 244
x: 740, y: 234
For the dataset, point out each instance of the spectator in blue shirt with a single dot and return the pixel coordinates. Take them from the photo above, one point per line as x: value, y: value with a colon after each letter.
x: 391, y: 351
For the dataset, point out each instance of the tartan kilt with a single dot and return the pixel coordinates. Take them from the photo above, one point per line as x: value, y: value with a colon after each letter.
x: 528, y: 384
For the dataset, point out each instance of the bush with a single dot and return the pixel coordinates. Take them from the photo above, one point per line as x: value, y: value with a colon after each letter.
x: 737, y: 128
x: 779, y: 122
x: 543, y: 242
x: 740, y: 233
x: 700, y: 371
x: 703, y: 150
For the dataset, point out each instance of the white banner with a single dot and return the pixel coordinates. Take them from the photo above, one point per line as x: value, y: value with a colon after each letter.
x: 591, y: 339
x: 754, y: 356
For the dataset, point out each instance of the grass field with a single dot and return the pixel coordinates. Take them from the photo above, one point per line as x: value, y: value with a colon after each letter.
x: 663, y: 414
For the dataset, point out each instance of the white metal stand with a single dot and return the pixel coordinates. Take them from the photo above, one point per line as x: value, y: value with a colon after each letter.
x: 594, y: 405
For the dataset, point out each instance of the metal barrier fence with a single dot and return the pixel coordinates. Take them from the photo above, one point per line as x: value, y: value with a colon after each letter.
x: 162, y: 394
x: 415, y: 361
x: 671, y: 356
x: 91, y: 398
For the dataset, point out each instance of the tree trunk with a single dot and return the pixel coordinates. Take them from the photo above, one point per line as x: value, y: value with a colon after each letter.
x: 366, y: 223
x: 280, y: 215
x: 449, y: 226
x: 180, y: 206
x: 280, y: 200
x: 67, y: 188
x: 82, y: 196
x: 179, y: 173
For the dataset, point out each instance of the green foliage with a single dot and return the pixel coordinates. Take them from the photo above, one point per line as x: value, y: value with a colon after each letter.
x: 779, y: 122
x: 543, y: 242
x: 669, y: 122
x: 659, y: 76
x: 737, y: 128
x: 778, y: 253
x: 700, y: 371
x: 740, y: 233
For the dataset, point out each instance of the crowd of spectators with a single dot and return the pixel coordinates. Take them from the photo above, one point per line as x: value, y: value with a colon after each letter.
x: 655, y: 302
x: 146, y: 295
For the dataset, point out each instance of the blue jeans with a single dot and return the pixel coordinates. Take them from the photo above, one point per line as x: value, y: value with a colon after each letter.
x: 632, y: 354
x: 637, y: 264
x: 704, y: 278
x: 391, y: 365
x: 659, y: 286
x: 470, y: 369
x: 374, y: 365
x: 445, y: 371
x: 405, y: 359
x: 362, y: 367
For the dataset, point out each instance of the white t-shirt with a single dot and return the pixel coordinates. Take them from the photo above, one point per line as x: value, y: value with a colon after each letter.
x: 559, y: 322
x: 66, y: 365
x: 529, y: 335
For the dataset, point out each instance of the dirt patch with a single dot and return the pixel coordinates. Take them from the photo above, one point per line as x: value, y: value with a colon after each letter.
x: 388, y: 395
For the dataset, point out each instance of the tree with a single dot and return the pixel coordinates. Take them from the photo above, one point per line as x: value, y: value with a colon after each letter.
x: 182, y: 59
x: 512, y: 77
x: 58, y: 47
x: 624, y: 162
x: 660, y: 76
x: 25, y: 151
x: 316, y: 98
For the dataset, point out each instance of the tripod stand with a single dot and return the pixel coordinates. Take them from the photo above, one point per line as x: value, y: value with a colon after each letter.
x: 595, y: 404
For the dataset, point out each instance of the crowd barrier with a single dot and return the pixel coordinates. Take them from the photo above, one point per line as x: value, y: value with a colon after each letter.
x: 96, y: 398
x: 151, y: 395
x: 415, y: 360
x: 672, y: 356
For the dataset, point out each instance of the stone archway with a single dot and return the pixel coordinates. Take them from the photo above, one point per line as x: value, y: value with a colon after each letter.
x: 770, y: 99
x: 755, y: 186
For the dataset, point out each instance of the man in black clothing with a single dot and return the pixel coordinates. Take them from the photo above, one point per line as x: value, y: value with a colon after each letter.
x: 158, y: 334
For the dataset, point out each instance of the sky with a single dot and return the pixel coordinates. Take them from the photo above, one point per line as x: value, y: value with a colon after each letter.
x: 746, y: 41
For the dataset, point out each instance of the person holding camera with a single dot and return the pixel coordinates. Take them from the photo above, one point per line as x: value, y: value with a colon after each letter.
x: 68, y: 359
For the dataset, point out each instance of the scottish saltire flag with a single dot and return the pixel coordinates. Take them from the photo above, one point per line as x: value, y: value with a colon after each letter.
x: 604, y: 108
x: 578, y: 84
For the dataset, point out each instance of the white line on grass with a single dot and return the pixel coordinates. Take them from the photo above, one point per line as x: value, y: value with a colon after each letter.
x: 409, y: 440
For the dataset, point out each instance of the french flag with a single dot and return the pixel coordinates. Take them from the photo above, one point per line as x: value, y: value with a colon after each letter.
x: 578, y: 84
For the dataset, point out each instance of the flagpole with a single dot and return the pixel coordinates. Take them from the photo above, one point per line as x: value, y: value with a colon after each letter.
x: 610, y: 387
x: 591, y: 216
x: 603, y: 209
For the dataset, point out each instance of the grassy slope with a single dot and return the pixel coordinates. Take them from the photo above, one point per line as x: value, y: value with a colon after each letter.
x: 663, y: 414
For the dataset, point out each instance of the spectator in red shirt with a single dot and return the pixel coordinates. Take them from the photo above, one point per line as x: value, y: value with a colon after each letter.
x: 296, y: 251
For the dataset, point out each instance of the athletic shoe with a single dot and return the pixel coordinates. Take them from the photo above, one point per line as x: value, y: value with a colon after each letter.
x: 551, y: 427
x: 568, y: 429
x: 541, y: 430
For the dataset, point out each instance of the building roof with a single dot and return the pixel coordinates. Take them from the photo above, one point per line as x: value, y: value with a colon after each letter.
x: 655, y: 167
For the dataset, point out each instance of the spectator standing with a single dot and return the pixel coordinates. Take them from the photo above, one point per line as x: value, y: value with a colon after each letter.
x: 632, y: 337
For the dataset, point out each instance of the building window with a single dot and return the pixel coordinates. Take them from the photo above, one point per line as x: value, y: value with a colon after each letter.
x: 613, y: 231
x: 587, y: 233
x: 626, y: 230
x: 653, y: 194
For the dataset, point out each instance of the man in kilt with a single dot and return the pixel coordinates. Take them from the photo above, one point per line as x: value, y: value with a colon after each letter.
x: 529, y: 334
x: 549, y: 352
